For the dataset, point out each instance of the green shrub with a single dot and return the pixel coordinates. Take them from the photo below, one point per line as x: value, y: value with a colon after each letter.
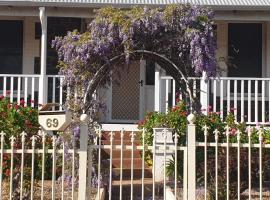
x: 14, y: 119
x: 175, y: 118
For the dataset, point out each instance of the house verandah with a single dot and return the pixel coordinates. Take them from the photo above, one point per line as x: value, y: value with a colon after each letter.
x: 241, y: 87
x: 243, y: 52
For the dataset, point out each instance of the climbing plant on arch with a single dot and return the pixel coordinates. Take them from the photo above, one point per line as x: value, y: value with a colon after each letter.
x: 179, y: 38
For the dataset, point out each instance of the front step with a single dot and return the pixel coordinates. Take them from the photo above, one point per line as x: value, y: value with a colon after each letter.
x: 126, y: 168
x: 137, y: 163
x: 126, y: 153
x: 137, y: 173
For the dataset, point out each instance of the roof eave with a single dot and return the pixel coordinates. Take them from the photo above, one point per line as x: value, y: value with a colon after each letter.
x: 127, y: 5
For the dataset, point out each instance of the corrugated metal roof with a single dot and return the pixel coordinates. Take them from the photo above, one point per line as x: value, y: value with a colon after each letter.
x: 219, y: 4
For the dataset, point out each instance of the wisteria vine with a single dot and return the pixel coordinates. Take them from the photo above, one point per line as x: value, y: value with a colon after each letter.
x: 183, y: 33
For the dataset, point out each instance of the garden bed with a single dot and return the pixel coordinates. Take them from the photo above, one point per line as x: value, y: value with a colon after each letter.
x: 255, y: 194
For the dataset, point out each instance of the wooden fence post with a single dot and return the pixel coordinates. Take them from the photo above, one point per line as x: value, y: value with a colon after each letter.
x: 191, y: 151
x: 83, y: 161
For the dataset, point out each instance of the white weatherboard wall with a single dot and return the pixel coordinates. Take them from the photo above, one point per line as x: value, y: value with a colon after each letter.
x: 31, y: 46
x: 222, y: 50
x: 222, y: 46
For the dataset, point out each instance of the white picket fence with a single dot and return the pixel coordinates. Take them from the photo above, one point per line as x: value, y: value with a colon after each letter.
x: 165, y: 145
x: 41, y: 148
x: 189, y: 185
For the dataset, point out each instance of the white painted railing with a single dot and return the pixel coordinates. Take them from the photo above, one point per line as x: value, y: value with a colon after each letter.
x: 18, y: 87
x: 171, y: 92
x: 56, y: 92
x: 247, y: 98
x: 26, y: 88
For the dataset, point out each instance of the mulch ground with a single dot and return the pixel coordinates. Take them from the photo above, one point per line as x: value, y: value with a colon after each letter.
x: 255, y: 194
x: 47, y: 191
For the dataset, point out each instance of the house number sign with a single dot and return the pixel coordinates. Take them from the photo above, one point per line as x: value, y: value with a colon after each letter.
x: 54, y: 120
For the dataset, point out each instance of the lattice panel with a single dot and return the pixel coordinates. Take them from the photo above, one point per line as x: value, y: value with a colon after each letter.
x: 126, y: 95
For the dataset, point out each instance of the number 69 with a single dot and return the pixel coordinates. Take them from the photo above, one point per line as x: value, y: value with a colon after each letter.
x: 52, y: 122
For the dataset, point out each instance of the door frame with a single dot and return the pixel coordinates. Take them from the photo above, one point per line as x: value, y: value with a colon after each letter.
x: 142, y: 89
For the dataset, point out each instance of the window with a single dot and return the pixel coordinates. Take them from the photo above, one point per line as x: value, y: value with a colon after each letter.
x: 11, y: 46
x: 58, y: 26
x: 245, y: 49
x: 37, y: 30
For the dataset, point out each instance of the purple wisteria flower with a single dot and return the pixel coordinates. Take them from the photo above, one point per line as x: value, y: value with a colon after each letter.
x: 183, y: 33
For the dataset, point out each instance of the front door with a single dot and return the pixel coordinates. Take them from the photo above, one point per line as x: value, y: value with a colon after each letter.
x: 128, y: 95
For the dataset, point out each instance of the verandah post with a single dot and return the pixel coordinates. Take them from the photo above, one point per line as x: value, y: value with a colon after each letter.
x: 191, y: 161
x: 42, y: 95
x: 83, y: 159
